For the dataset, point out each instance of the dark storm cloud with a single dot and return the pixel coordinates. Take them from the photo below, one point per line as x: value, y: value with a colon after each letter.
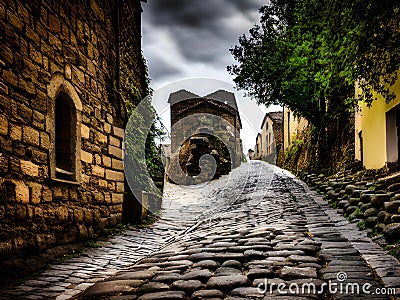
x: 203, y: 30
x: 186, y: 13
x: 161, y: 67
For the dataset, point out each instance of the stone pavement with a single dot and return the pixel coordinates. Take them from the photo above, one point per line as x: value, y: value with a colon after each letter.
x: 257, y: 234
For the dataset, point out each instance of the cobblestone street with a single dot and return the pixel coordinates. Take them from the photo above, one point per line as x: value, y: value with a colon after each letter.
x: 258, y: 233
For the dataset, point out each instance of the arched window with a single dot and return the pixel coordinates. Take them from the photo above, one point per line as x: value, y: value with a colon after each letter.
x: 65, y: 137
x: 65, y: 130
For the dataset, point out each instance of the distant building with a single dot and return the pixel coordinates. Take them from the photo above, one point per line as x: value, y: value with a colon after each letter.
x: 271, y: 129
x: 292, y: 126
x: 269, y: 142
x: 377, y: 132
x: 204, y: 125
x: 250, y: 154
x: 258, y: 147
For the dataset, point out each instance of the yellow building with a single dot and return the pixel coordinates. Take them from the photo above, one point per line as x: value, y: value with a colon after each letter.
x: 292, y: 125
x: 377, y: 131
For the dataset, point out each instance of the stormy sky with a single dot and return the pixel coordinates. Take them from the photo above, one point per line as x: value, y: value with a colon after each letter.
x: 191, y: 38
x: 185, y: 39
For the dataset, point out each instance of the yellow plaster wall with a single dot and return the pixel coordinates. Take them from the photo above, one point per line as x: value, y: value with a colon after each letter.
x: 372, y: 123
x: 295, y: 125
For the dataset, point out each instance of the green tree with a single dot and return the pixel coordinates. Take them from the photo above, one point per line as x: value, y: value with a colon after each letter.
x: 308, y: 55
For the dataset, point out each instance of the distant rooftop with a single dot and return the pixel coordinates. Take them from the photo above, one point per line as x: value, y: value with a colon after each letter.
x: 220, y: 95
x: 275, y: 116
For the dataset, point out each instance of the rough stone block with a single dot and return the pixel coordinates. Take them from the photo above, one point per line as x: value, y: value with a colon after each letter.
x: 31, y: 136
x: 47, y: 195
x: 98, y: 171
x: 120, y: 187
x: 4, y: 164
x: 101, y: 138
x: 86, y: 157
x: 103, y: 183
x: 16, y: 133
x: 30, y: 169
x: 378, y: 200
x: 392, y: 206
x: 117, y: 198
x: 78, y: 76
x: 44, y: 141
x: 106, y: 161
x: 85, y: 132
x: 107, y: 128
x: 14, y: 20
x: 21, y: 192
x: 36, y: 55
x: 114, y: 175
x: 117, y: 164
x: 73, y: 194
x: 115, y: 142
x: 6, y: 54
x: 3, y: 125
x: 88, y: 216
x: 79, y: 215
x: 35, y: 192
x: 119, y: 132
x: 38, y: 120
x: 115, y: 151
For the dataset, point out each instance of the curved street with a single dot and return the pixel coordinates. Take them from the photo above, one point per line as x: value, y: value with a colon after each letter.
x: 254, y: 234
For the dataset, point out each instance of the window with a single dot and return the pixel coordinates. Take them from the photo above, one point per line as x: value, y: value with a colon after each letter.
x: 65, y: 136
x: 65, y: 131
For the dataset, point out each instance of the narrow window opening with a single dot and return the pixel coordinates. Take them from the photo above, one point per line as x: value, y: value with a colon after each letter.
x: 65, y: 120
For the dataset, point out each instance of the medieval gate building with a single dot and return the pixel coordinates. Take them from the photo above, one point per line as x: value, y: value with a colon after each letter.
x: 208, y: 125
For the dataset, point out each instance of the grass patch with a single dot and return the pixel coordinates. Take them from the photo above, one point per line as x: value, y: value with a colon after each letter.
x: 361, y: 225
x: 149, y: 221
x: 374, y: 232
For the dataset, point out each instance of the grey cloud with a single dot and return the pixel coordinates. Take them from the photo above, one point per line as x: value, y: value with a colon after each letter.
x: 159, y: 68
x: 202, y: 30
x: 190, y: 13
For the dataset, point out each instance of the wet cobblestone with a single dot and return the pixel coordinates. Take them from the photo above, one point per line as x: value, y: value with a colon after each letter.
x: 260, y: 228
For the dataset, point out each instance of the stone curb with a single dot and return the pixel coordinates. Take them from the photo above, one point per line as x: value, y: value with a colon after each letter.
x: 385, y: 266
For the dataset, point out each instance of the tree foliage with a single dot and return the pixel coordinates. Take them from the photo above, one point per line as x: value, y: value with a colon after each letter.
x: 308, y: 55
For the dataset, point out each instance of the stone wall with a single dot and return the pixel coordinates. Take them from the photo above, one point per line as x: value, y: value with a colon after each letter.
x: 70, y: 48
x: 204, y: 126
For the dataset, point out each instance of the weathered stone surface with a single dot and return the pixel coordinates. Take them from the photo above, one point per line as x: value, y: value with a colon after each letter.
x: 206, y: 294
x: 138, y: 275
x: 224, y: 271
x: 248, y: 293
x: 169, y: 295
x: 152, y: 287
x: 371, y: 222
x: 201, y: 275
x: 207, y: 264
x: 392, y: 231
x: 378, y: 200
x: 293, y: 272
x: 226, y: 282
x: 3, y: 124
x: 188, y: 286
x: 392, y: 206
x: 112, y: 287
x: 371, y: 212
x: 260, y: 273
x: 350, y: 189
x: 50, y: 54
